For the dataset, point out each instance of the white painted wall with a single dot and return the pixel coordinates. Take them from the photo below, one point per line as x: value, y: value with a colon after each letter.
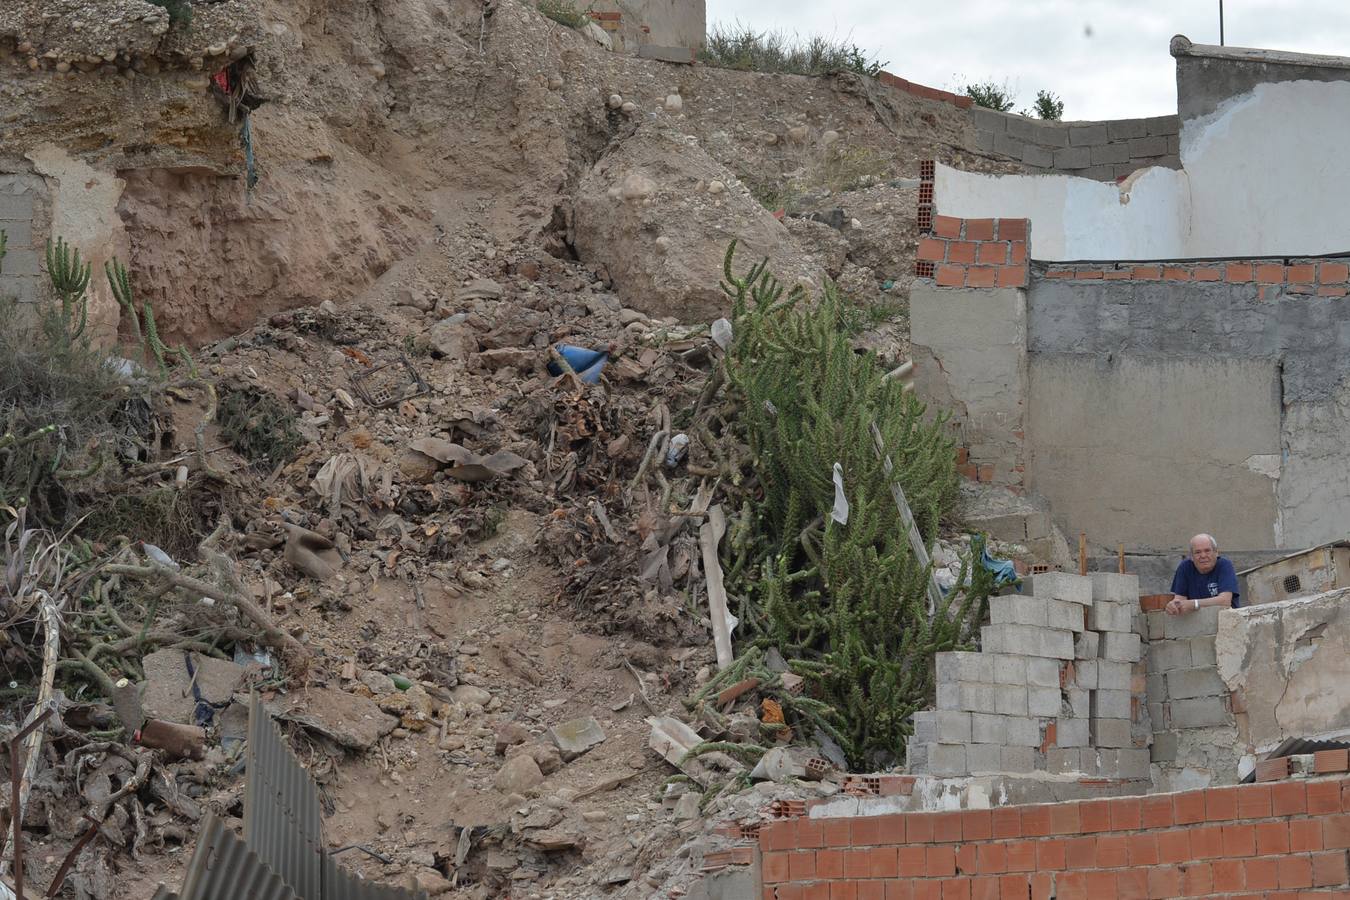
x: 1266, y: 174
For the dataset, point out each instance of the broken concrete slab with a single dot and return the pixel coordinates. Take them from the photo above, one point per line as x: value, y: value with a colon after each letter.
x: 1289, y: 661
x: 682, y: 55
x: 576, y: 736
x: 350, y: 720
x: 779, y: 764
x: 673, y: 740
x: 686, y: 808
x: 168, y: 690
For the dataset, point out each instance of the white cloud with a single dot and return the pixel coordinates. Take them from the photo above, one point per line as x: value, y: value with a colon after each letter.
x: 1106, y: 59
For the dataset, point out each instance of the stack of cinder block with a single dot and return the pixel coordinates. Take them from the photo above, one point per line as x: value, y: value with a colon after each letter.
x: 1187, y: 701
x: 1055, y: 688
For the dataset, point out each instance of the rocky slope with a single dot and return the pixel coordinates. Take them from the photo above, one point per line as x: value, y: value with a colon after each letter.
x: 463, y: 183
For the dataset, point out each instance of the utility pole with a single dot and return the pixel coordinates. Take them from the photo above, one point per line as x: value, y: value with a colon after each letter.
x: 1220, y: 23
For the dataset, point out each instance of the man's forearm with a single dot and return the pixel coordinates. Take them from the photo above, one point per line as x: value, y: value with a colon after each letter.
x: 1223, y: 599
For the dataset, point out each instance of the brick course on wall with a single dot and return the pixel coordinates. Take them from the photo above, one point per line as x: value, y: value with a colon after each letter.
x: 968, y: 253
x: 1105, y: 151
x: 1283, y: 840
x: 977, y: 253
x: 922, y: 90
x: 1291, y: 275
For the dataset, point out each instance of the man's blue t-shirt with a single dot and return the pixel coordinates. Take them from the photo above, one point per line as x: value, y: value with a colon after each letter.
x: 1189, y: 583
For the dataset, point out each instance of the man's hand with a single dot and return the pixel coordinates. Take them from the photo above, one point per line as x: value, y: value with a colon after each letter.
x: 1180, y: 606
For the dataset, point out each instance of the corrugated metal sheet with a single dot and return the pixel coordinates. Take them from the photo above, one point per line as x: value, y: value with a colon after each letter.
x: 224, y: 868
x: 283, y: 855
x: 283, y: 822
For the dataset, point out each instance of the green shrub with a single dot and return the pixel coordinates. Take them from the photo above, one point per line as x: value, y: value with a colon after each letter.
x: 564, y: 12
x: 1048, y: 106
x: 743, y: 48
x: 846, y: 604
x: 991, y: 95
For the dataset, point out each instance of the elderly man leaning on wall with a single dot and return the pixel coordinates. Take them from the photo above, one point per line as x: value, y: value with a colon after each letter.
x: 1206, y: 579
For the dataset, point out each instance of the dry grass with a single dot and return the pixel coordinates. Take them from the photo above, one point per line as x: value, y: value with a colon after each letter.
x: 741, y: 47
x: 819, y: 171
x: 68, y: 413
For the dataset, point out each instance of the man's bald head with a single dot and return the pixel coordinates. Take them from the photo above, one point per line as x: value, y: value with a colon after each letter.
x: 1204, y: 552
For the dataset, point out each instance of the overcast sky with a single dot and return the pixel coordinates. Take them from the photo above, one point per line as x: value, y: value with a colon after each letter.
x: 1106, y: 59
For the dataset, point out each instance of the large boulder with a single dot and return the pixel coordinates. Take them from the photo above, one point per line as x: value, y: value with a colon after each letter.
x: 659, y: 212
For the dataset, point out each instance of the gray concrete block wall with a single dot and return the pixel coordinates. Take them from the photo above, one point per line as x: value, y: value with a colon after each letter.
x: 1103, y: 151
x: 1195, y: 737
x: 1043, y: 695
x: 22, y: 203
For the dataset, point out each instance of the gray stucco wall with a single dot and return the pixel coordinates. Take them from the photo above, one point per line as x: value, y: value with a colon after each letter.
x: 1208, y: 75
x: 970, y: 359
x: 1147, y: 450
x: 1190, y: 407
x: 1104, y: 151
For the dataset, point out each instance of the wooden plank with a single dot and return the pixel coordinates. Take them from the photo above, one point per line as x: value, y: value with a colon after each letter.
x: 1082, y: 553
x: 907, y: 519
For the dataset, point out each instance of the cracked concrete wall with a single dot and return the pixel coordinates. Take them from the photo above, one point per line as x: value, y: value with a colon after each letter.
x: 1216, y: 407
x: 1289, y: 662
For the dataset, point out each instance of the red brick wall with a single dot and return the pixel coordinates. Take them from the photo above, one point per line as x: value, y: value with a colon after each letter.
x: 960, y: 101
x: 1282, y: 840
x: 968, y: 253
x: 1326, y: 278
x: 977, y: 253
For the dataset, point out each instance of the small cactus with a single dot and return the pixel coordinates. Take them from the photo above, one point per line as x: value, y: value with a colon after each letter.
x: 120, y: 282
x: 70, y: 279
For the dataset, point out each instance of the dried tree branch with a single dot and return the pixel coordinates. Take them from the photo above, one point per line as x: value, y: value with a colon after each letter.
x: 294, y: 652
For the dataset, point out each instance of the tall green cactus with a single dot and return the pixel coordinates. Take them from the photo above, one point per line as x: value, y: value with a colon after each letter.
x: 120, y: 282
x: 70, y: 279
x: 845, y: 603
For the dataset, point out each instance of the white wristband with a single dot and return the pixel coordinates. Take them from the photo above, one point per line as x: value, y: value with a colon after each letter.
x: 1197, y: 603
